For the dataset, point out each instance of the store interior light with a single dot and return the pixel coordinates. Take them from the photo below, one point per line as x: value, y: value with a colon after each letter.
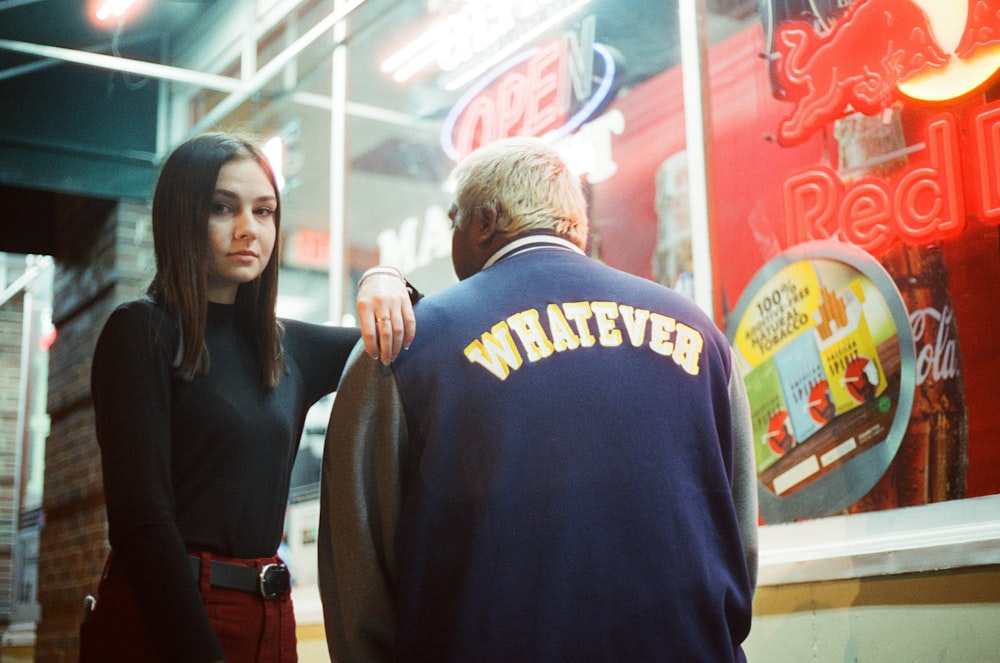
x: 113, y: 8
x: 422, y: 51
x: 413, y: 57
x: 484, y: 65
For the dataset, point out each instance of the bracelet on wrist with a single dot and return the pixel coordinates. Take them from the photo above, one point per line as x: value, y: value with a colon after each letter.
x: 385, y: 270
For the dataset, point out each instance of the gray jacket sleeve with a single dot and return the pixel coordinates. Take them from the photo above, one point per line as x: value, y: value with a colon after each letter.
x: 744, y: 469
x: 359, y: 510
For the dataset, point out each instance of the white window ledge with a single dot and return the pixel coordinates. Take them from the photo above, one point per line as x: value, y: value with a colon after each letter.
x: 906, y: 540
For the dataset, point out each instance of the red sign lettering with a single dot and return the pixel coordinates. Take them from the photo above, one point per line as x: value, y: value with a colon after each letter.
x: 921, y: 204
x: 547, y: 92
x: 987, y: 141
x: 524, y: 102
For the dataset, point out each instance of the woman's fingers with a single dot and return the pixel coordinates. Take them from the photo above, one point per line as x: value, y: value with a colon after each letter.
x: 385, y: 316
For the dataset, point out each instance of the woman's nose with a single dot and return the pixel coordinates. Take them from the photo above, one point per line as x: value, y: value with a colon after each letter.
x: 244, y: 226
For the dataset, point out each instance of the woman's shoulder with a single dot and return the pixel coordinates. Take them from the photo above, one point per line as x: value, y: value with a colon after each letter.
x: 136, y: 346
x: 143, y: 307
x: 139, y: 319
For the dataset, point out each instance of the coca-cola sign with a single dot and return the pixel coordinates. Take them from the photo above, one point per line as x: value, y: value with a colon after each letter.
x: 937, y: 357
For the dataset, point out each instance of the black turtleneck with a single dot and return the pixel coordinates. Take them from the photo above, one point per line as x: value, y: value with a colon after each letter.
x: 203, y: 464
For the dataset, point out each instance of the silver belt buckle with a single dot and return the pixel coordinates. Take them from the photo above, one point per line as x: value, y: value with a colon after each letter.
x: 267, y: 582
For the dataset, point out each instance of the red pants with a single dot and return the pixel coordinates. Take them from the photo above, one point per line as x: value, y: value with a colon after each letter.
x: 249, y: 628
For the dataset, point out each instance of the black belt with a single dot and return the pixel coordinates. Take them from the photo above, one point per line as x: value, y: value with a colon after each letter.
x: 270, y: 581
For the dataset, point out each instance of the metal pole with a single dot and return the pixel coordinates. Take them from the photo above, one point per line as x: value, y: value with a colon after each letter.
x: 278, y: 63
x: 697, y: 124
x: 338, y: 169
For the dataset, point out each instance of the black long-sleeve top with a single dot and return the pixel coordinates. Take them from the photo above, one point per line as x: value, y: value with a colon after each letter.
x: 201, y: 464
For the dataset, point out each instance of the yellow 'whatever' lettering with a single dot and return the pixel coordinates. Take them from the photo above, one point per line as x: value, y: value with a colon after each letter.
x: 575, y: 325
x: 495, y: 351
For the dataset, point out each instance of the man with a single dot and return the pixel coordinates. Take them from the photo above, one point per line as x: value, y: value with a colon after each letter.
x: 558, y: 469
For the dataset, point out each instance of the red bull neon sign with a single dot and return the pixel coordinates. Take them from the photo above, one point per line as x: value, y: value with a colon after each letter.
x: 921, y: 203
x: 547, y: 91
x: 883, y: 51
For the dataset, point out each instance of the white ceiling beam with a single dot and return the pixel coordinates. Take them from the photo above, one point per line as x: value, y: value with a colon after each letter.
x: 275, y: 66
x: 114, y: 63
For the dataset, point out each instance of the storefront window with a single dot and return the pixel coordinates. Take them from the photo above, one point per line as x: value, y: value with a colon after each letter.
x: 851, y: 167
x: 862, y: 141
x: 891, y: 168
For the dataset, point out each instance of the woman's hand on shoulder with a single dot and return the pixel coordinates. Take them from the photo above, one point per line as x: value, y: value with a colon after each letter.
x: 385, y: 313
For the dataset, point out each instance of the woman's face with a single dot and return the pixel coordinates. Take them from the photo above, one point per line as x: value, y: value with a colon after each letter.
x: 241, y: 228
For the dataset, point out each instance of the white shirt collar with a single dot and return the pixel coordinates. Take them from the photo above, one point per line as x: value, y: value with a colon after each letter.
x: 530, y: 243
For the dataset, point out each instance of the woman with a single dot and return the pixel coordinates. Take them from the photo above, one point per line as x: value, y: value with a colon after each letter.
x: 200, y: 396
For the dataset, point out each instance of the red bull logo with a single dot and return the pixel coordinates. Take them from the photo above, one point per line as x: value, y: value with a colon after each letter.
x: 984, y: 27
x: 880, y: 51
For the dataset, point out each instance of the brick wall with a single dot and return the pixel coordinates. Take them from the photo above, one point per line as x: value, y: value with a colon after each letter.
x: 109, y: 265
x: 11, y: 314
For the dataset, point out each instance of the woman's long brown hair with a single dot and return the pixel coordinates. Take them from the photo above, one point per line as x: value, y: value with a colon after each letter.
x: 181, y: 207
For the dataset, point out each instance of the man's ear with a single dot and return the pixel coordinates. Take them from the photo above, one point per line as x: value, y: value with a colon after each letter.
x: 485, y: 225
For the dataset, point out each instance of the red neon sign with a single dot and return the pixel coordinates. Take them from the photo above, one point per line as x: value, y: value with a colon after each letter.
x: 875, y: 45
x: 546, y: 92
x: 524, y: 101
x: 986, y: 132
x: 920, y: 204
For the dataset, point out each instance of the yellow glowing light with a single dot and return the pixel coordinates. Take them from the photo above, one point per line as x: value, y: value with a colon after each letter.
x: 116, y: 8
x: 948, y: 21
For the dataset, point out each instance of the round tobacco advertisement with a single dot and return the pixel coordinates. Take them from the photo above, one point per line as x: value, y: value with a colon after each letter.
x: 824, y: 341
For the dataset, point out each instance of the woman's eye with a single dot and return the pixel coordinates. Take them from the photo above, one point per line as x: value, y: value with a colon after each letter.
x: 264, y: 211
x: 220, y: 208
